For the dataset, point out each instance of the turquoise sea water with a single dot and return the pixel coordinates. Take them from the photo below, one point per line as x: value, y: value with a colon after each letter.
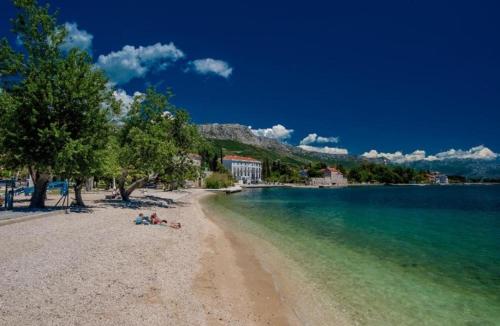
x: 404, y: 255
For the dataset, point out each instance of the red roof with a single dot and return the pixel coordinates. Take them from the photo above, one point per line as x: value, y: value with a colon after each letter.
x: 331, y: 170
x: 239, y: 158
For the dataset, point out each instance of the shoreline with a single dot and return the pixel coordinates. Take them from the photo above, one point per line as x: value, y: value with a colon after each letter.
x: 233, y: 277
x: 97, y: 267
x: 366, y: 278
x: 301, y: 300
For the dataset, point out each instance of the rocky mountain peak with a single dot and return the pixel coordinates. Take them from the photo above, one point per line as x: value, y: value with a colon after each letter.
x: 242, y: 134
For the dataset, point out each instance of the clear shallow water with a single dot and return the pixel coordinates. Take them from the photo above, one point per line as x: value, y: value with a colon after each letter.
x: 389, y: 255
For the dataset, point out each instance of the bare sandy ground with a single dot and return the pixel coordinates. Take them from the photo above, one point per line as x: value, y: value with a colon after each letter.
x: 98, y: 268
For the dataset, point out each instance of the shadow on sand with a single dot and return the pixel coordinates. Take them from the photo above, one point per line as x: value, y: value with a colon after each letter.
x: 148, y: 201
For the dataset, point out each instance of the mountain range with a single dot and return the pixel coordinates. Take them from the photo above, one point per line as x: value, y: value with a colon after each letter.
x: 239, y: 139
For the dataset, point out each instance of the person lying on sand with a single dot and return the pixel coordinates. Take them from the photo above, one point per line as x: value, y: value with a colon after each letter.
x: 156, y: 220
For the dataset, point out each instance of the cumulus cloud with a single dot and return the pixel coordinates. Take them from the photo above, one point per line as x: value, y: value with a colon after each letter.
x: 314, y: 138
x: 210, y: 66
x: 325, y: 150
x: 76, y: 38
x: 135, y: 62
x: 479, y: 153
x: 278, y: 132
x: 476, y: 153
x: 397, y: 157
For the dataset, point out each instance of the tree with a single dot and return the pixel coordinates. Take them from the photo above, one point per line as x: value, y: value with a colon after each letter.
x: 341, y: 168
x: 87, y: 120
x: 110, y: 168
x: 266, y: 169
x: 29, y: 138
x: 154, y: 142
x: 185, y: 138
x: 58, y: 99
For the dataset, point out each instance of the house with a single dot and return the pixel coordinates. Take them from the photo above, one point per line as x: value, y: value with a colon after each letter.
x: 437, y: 178
x: 331, y: 177
x: 244, y: 169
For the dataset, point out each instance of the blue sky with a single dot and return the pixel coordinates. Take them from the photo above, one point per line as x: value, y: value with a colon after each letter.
x: 361, y: 75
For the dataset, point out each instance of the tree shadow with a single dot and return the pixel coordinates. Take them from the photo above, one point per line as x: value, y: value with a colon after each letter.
x: 136, y: 203
x: 17, y: 212
x: 81, y: 209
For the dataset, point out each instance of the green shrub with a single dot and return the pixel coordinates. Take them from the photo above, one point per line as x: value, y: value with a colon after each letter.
x: 219, y: 180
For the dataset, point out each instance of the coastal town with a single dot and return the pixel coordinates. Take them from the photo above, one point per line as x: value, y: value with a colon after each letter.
x: 245, y: 171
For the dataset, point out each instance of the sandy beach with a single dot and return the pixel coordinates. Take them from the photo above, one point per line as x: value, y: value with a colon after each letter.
x: 98, y: 268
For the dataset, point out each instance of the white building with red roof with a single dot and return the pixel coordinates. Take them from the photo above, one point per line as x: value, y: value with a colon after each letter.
x: 244, y: 169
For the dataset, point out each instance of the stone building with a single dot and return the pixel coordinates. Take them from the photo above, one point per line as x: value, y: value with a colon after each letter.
x: 331, y: 177
x: 437, y: 178
x: 244, y: 169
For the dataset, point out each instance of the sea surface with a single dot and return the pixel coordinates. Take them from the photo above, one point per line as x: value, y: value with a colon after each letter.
x: 391, y: 255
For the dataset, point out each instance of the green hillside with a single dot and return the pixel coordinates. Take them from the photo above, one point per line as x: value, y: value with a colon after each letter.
x: 231, y: 147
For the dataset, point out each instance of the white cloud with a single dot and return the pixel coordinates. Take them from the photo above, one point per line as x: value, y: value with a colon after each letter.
x: 397, y: 157
x: 325, y: 150
x: 125, y: 99
x: 135, y: 62
x: 278, y: 132
x: 76, y: 38
x: 314, y: 138
x: 327, y: 139
x: 478, y: 153
x: 210, y: 66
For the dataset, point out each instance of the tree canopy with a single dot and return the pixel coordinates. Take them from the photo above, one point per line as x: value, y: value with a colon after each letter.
x: 154, y: 141
x: 55, y: 119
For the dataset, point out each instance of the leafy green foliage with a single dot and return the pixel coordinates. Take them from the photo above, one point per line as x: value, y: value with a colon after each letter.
x: 219, y: 180
x: 154, y: 142
x: 283, y: 173
x: 109, y: 157
x: 370, y: 172
x: 55, y: 117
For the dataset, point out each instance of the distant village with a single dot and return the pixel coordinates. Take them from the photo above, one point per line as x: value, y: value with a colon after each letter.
x: 248, y: 171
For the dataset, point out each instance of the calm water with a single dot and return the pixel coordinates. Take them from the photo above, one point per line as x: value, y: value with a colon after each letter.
x: 390, y: 255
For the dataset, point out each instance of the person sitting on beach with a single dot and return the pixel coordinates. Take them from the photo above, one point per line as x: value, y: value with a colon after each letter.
x: 141, y: 219
x: 138, y: 220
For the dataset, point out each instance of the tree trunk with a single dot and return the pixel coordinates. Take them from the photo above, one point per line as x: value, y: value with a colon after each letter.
x: 126, y: 192
x: 78, y: 192
x: 89, y: 184
x: 121, y: 186
x: 41, y: 181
